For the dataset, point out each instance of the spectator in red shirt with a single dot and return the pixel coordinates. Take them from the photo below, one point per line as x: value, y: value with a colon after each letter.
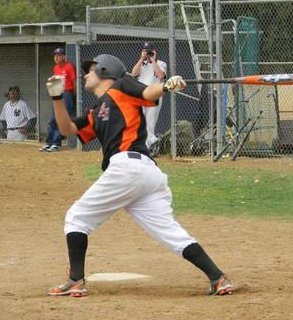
x: 66, y: 69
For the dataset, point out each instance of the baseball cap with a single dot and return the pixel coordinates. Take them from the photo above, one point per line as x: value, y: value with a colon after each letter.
x: 60, y: 51
x: 14, y: 89
x: 149, y: 46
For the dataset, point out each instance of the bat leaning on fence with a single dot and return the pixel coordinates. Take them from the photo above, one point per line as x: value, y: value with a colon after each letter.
x: 241, y: 145
x: 264, y: 80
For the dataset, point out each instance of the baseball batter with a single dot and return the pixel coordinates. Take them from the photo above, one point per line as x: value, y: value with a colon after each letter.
x: 131, y: 178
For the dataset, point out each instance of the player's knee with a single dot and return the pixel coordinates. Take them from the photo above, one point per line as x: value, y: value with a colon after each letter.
x: 74, y: 223
x: 70, y: 227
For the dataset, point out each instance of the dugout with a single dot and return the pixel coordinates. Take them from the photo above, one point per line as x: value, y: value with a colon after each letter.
x: 26, y: 61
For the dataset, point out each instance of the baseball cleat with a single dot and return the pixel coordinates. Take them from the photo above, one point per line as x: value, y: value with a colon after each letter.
x: 46, y: 147
x: 70, y: 288
x: 54, y: 148
x: 221, y: 286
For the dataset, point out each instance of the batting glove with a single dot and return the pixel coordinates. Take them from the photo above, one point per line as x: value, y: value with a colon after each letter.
x: 175, y: 83
x: 55, y: 87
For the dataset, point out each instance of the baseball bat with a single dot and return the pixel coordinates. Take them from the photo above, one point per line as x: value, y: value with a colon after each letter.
x: 229, y: 143
x: 264, y: 80
x: 240, y: 146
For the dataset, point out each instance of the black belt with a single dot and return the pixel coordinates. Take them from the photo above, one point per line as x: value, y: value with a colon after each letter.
x: 13, y: 129
x: 134, y: 155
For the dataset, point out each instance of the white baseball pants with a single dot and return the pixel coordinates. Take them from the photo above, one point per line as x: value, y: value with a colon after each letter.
x: 140, y: 187
x: 15, y: 135
x: 151, y: 116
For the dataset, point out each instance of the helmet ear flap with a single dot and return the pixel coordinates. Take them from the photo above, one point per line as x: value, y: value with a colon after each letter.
x: 101, y: 71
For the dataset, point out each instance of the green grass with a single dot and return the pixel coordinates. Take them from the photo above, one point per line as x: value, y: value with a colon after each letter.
x: 226, y: 191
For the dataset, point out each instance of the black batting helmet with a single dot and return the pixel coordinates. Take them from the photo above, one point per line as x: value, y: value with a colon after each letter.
x: 107, y: 67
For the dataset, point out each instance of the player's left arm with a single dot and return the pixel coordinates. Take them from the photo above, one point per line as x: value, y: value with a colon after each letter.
x: 156, y: 91
x: 148, y: 96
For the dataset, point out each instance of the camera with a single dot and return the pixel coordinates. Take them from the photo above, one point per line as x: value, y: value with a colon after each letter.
x: 150, y: 53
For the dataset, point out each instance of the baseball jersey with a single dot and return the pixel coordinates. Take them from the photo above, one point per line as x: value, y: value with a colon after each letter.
x: 16, y: 114
x: 147, y: 73
x: 117, y: 120
x: 68, y: 71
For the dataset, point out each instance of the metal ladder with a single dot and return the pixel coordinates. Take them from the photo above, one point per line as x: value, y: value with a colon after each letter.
x: 198, y: 60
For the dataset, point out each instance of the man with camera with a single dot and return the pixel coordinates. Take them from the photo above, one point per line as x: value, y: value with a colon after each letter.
x: 149, y: 70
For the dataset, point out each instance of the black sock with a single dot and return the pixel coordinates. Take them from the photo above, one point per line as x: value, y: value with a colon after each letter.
x: 195, y: 254
x: 77, y: 245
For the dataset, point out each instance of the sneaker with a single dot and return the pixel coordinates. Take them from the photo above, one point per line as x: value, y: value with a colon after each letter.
x: 70, y: 288
x: 46, y: 147
x: 54, y: 148
x: 221, y: 286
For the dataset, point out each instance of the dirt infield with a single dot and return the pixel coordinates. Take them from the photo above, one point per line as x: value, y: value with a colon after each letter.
x: 35, y: 191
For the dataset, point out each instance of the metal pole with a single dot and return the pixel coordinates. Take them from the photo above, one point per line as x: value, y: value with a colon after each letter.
x: 219, y: 74
x: 172, y: 63
x: 88, y: 23
x: 211, y: 87
x: 78, y: 88
x: 37, y: 75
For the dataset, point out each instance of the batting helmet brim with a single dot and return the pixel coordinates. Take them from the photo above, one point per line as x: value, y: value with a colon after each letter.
x: 85, y: 65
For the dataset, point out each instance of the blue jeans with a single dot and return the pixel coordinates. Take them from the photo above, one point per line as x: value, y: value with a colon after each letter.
x: 53, y: 134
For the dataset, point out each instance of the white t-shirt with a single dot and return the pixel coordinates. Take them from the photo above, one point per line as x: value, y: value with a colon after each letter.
x: 147, y: 73
x: 16, y: 114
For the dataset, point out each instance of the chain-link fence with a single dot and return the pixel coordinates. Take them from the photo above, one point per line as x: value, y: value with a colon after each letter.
x: 208, y: 39
x: 193, y: 61
x: 122, y: 31
x: 183, y: 122
x: 196, y: 39
x: 256, y: 38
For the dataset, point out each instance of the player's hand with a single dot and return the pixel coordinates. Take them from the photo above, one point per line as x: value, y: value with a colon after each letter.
x: 144, y: 55
x: 55, y: 86
x: 175, y: 83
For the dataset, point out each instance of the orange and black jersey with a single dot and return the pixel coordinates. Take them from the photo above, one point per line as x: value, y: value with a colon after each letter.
x: 117, y: 120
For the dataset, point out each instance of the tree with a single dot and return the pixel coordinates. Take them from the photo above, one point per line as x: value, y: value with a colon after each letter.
x: 26, y: 11
x: 74, y: 10
x: 29, y: 11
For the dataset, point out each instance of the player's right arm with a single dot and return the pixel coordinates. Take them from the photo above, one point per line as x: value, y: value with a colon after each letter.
x: 55, y: 86
x: 64, y: 121
x: 155, y: 91
x: 83, y: 126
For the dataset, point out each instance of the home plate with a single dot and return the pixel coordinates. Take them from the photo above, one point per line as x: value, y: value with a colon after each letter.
x: 123, y: 276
